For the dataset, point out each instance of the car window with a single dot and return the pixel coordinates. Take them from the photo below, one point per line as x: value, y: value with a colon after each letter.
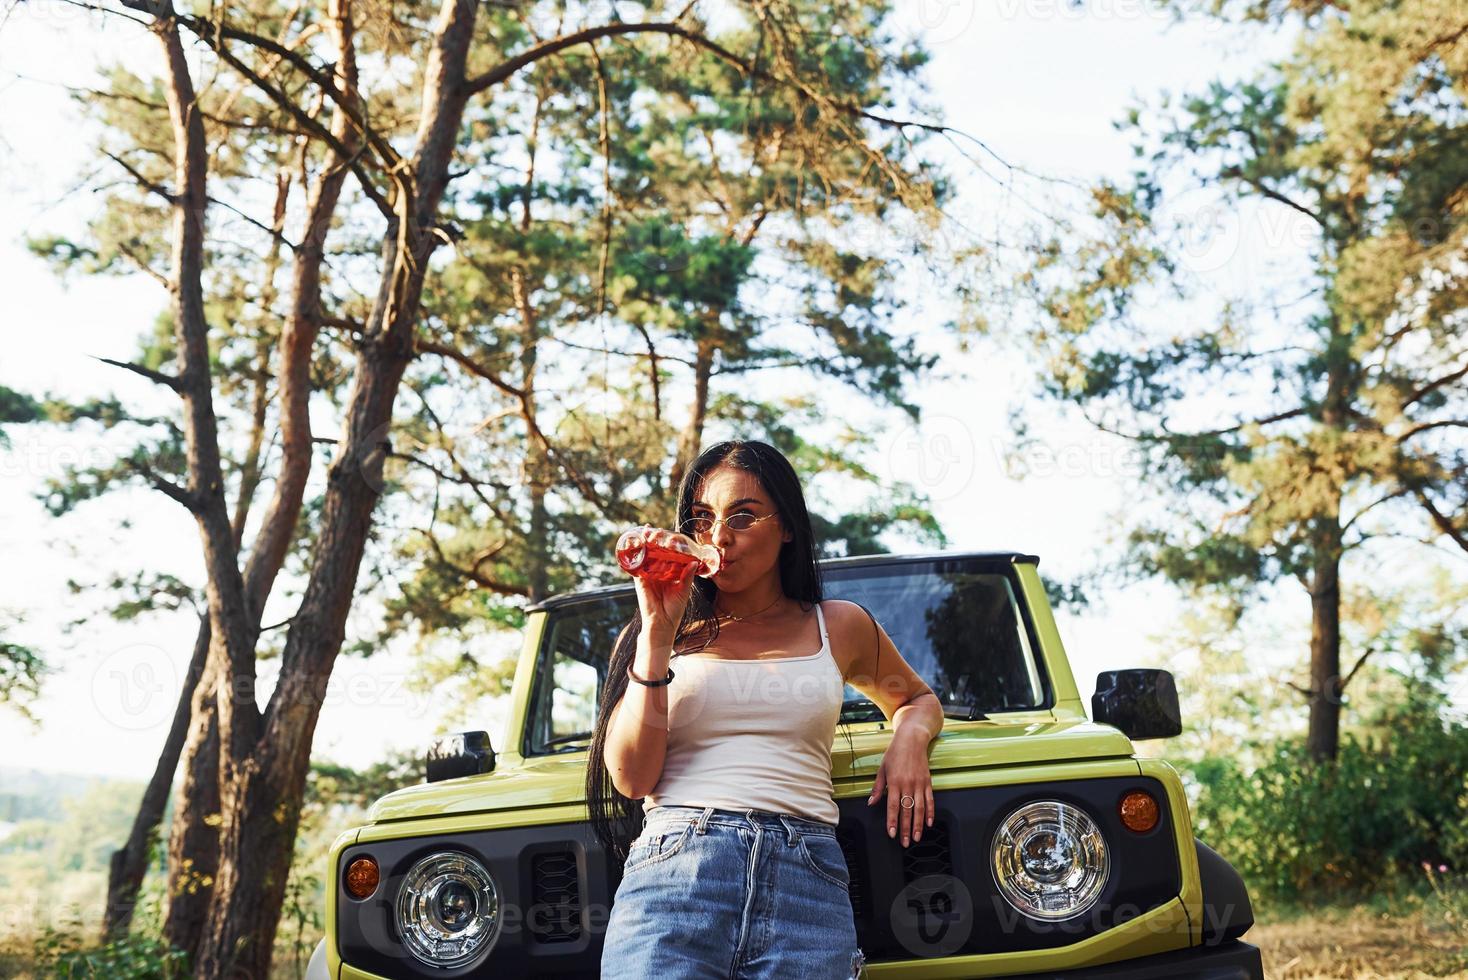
x: 958, y: 621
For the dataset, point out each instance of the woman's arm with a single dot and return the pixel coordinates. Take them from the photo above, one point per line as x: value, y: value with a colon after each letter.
x: 637, y: 732
x: 879, y: 671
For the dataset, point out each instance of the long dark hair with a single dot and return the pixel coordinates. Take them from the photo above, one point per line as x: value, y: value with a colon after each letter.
x: 616, y: 819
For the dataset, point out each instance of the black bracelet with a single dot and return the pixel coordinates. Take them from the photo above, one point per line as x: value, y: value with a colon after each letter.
x: 665, y: 680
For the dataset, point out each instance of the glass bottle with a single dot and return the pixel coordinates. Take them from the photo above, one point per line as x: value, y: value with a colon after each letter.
x: 661, y: 555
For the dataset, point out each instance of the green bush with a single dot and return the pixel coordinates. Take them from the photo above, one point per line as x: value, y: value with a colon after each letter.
x: 135, y: 957
x: 1389, y: 804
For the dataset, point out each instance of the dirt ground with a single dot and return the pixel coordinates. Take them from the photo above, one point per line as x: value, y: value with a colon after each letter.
x: 1404, y: 938
x: 1418, y: 937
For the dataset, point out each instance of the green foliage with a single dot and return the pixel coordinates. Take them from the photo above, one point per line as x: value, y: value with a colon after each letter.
x: 331, y: 787
x: 301, y: 924
x: 16, y: 406
x: 1284, y: 425
x: 64, y: 956
x: 53, y: 871
x: 1330, y: 404
x: 1388, y: 805
x: 21, y: 673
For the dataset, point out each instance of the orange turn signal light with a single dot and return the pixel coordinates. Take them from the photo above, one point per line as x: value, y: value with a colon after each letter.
x: 362, y: 877
x: 1139, y: 811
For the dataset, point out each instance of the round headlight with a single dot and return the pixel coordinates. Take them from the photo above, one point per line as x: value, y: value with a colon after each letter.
x: 448, y: 909
x: 1050, y: 860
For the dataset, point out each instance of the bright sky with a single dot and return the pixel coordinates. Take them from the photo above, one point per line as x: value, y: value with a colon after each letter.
x: 1040, y: 81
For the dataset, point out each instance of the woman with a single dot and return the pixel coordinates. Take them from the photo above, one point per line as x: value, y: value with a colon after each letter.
x: 736, y: 871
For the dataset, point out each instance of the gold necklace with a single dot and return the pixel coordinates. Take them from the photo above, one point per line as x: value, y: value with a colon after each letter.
x: 739, y: 619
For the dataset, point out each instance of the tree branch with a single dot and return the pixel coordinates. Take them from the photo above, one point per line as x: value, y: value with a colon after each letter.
x: 472, y: 573
x: 507, y: 69
x: 168, y: 196
x: 583, y: 484
x: 273, y: 233
x: 167, y: 486
x: 1352, y: 672
x: 1425, y: 426
x: 303, y: 118
x: 470, y: 365
x: 211, y: 34
x: 617, y: 353
x: 150, y: 185
x: 1174, y: 436
x: 1432, y: 386
x: 1444, y: 524
x: 1237, y: 173
x: 465, y: 480
x: 157, y: 377
x: 168, y: 284
x: 1375, y: 503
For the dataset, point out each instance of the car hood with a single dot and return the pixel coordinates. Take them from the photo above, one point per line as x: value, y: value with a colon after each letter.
x: 558, y: 780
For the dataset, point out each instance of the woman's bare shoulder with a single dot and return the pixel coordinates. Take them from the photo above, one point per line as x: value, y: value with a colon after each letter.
x: 849, y: 628
x: 842, y: 613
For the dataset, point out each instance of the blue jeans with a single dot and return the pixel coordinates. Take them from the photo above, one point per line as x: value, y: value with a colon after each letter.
x: 738, y: 894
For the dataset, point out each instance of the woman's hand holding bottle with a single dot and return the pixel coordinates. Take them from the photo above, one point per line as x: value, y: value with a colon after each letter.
x: 663, y: 601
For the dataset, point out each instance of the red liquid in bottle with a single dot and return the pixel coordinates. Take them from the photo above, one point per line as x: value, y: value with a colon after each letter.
x: 661, y: 556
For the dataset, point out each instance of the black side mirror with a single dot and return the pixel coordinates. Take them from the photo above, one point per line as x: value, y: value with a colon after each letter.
x: 460, y: 754
x: 1142, y: 702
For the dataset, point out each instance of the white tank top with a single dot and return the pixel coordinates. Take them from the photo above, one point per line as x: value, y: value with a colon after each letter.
x: 753, y: 734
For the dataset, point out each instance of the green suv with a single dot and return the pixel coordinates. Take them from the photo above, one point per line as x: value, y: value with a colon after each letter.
x: 1054, y: 850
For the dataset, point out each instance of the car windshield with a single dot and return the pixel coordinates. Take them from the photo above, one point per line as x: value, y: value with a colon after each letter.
x: 957, y: 620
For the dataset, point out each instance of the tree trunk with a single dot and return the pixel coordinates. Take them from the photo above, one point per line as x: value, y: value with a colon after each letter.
x: 1325, y: 583
x: 130, y: 863
x: 537, y: 538
x: 691, y: 439
x: 262, y: 778
x: 536, y: 462
x: 194, y: 846
x: 1325, y: 643
x: 193, y: 843
x: 191, y: 868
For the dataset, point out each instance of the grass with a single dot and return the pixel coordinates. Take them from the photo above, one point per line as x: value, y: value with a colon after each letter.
x: 1409, y: 930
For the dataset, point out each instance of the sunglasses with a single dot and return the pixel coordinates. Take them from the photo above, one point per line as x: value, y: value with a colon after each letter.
x: 737, y: 522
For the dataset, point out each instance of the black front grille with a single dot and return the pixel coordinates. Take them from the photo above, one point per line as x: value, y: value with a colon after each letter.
x: 937, y: 897
x: 555, y: 898
x: 849, y: 837
x: 928, y: 856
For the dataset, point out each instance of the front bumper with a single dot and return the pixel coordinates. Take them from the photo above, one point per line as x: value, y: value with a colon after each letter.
x: 1233, y: 960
